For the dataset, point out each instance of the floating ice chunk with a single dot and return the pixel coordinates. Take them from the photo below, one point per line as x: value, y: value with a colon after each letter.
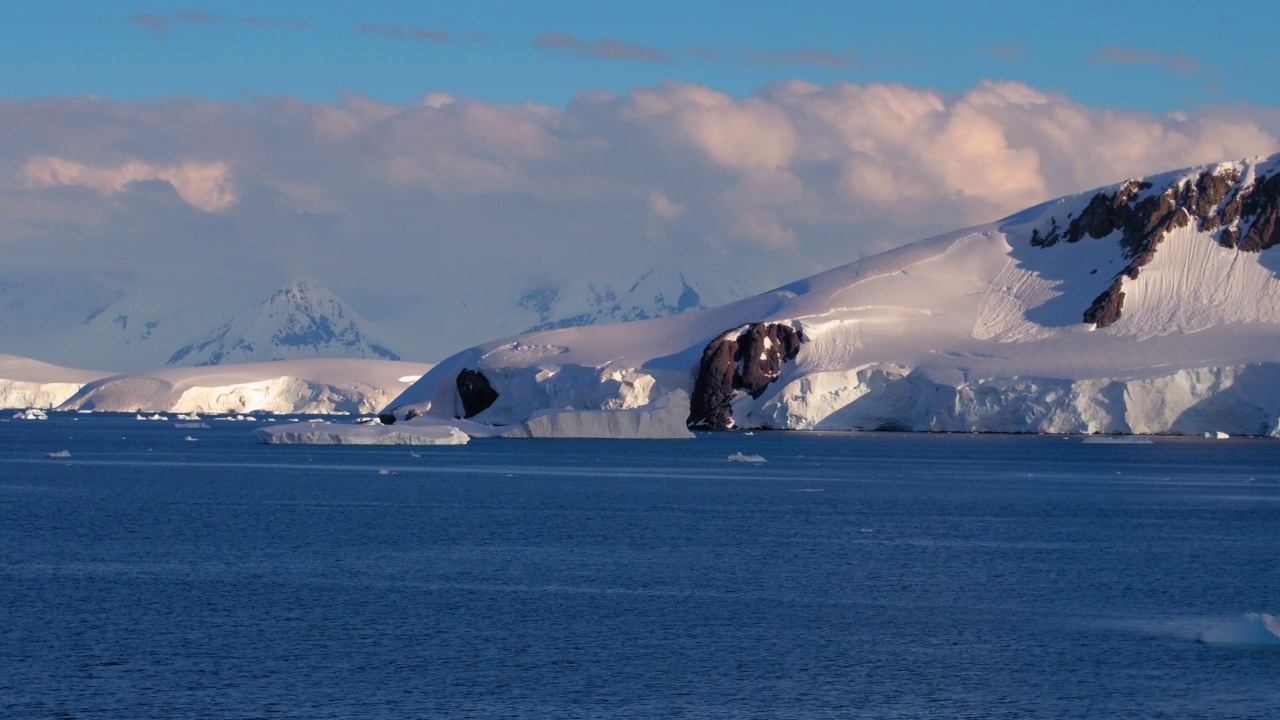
x: 59, y: 454
x: 1219, y: 435
x: 664, y: 418
x: 1249, y: 630
x: 31, y: 414
x: 191, y: 439
x: 739, y: 457
x: 157, y: 416
x: 189, y: 416
x: 332, y: 434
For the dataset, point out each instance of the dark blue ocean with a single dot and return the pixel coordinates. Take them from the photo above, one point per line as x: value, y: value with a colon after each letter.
x: 849, y: 576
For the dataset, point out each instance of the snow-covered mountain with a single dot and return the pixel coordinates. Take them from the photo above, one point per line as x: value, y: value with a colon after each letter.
x: 287, y: 386
x: 301, y: 320
x: 1149, y: 306
x: 131, y: 321
x: 658, y: 292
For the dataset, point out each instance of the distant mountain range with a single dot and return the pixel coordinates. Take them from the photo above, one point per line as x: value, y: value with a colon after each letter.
x: 115, y: 321
x: 654, y: 294
x: 1149, y: 306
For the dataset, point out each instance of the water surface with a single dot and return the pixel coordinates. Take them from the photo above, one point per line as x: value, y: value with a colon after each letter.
x: 851, y: 575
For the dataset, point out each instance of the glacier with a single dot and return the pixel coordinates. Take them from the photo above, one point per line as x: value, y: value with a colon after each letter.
x: 315, y: 386
x: 28, y: 383
x: 1151, y: 306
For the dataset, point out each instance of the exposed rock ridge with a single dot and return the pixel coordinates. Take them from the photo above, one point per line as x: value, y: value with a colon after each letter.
x: 745, y: 359
x: 1244, y: 216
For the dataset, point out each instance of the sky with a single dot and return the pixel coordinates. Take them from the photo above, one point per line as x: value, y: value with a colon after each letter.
x: 414, y: 156
x: 1157, y: 56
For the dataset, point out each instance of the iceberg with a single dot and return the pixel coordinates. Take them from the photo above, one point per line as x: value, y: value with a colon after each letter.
x: 739, y: 457
x: 662, y: 419
x: 332, y: 434
x: 1249, y: 630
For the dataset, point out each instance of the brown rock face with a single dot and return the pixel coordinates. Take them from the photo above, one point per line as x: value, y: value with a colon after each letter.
x: 748, y: 362
x: 476, y: 392
x: 1247, y: 215
x: 1262, y: 207
x: 1106, y: 307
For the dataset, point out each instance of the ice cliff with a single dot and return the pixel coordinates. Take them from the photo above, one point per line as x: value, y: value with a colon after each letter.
x: 286, y: 387
x: 27, y: 383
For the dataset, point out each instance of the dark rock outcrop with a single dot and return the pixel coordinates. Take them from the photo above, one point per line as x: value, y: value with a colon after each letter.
x: 1244, y: 216
x: 387, y: 418
x: 1262, y: 208
x: 475, y: 391
x: 747, y: 360
x: 1107, y: 306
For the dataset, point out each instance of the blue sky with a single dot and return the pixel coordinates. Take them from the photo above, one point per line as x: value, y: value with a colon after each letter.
x: 1143, y: 55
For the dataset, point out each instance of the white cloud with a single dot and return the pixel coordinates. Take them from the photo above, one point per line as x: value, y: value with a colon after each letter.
x: 205, y: 185
x: 448, y: 197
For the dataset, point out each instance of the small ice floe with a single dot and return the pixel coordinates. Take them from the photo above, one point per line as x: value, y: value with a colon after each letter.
x: 31, y: 414
x: 747, y: 433
x: 157, y: 416
x: 1251, y: 630
x: 385, y: 471
x: 1116, y: 440
x: 188, y: 416
x: 414, y: 454
x: 739, y: 457
x: 59, y: 454
x: 191, y: 439
x: 1217, y: 435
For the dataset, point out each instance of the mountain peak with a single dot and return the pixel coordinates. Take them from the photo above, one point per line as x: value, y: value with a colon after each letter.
x: 303, y: 319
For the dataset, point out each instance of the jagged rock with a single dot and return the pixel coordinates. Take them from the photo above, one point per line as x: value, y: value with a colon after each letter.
x: 1262, y: 208
x: 475, y: 391
x: 746, y: 359
x: 387, y: 418
x: 1106, y: 307
x: 713, y: 388
x: 1247, y: 217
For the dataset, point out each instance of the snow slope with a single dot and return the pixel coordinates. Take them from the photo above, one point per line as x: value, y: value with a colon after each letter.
x: 288, y: 386
x: 1150, y: 306
x: 27, y: 383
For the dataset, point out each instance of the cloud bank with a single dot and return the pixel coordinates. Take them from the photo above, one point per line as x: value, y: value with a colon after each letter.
x: 419, y: 210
